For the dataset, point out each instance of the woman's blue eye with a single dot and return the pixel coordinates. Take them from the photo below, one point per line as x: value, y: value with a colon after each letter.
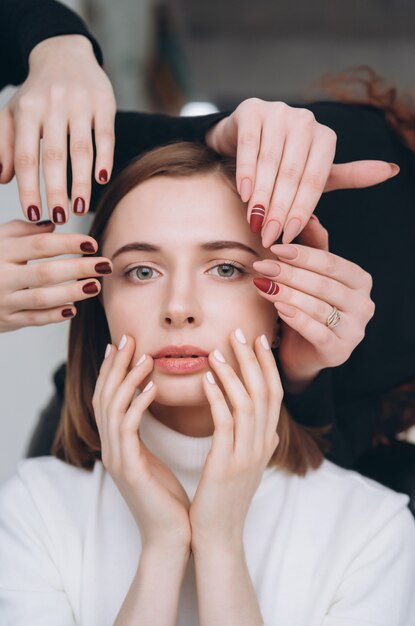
x: 141, y: 272
x: 227, y: 270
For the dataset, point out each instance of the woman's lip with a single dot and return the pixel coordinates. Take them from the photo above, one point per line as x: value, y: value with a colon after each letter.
x: 181, y: 365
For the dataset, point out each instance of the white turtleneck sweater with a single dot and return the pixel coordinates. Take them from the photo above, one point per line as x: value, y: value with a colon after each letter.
x: 330, y: 549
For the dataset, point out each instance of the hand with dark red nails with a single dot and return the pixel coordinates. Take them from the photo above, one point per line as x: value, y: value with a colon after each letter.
x: 38, y: 293
x: 65, y: 93
x: 284, y: 162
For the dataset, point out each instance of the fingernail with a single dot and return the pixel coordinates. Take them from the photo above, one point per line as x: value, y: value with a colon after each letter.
x: 285, y: 251
x: 395, y: 168
x: 67, y: 313
x: 103, y: 176
x: 148, y: 387
x: 240, y: 336
x: 90, y: 288
x: 219, y: 356
x: 33, y: 213
x: 291, y: 230
x: 246, y: 189
x: 271, y: 233
x: 285, y: 309
x: 1, y: 168
x: 141, y: 360
x: 58, y: 215
x: 108, y: 351
x: 267, y: 267
x: 79, y: 205
x: 264, y: 342
x: 103, y: 268
x: 122, y: 342
x: 44, y: 223
x: 87, y: 246
x: 267, y: 286
x: 210, y: 378
x: 257, y: 218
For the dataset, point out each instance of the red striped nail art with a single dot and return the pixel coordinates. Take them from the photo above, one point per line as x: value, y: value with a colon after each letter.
x: 267, y: 286
x: 257, y: 218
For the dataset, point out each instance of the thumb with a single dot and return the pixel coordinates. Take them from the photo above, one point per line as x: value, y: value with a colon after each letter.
x: 358, y: 174
x: 314, y: 235
x: 20, y: 228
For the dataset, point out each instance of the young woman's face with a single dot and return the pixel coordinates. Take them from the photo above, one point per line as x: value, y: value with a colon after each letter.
x: 184, y: 278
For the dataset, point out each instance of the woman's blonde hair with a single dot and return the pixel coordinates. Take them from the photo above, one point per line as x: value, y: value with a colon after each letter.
x: 77, y: 440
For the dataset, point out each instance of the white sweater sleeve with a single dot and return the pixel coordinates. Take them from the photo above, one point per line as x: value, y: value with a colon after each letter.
x: 378, y: 587
x: 31, y: 590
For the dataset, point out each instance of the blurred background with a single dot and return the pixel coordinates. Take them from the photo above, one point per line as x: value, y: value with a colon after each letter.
x: 196, y: 56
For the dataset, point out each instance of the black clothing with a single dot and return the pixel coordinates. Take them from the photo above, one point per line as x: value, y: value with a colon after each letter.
x: 374, y: 227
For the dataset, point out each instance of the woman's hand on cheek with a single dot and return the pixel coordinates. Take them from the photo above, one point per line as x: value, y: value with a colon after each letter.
x: 153, y: 494
x: 306, y: 283
x: 244, y: 440
x: 284, y: 162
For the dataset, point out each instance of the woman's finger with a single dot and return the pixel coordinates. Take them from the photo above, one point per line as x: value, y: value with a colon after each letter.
x: 6, y: 145
x: 22, y: 319
x: 357, y: 174
x: 290, y: 172
x: 314, y: 235
x: 223, y: 437
x: 54, y: 160
x: 104, y: 142
x: 50, y: 273
x: 81, y: 162
x: 312, y: 183
x: 43, y: 245
x: 26, y: 164
x: 20, y: 228
x: 275, y: 391
x: 128, y: 432
x: 322, y: 263
x: 56, y: 296
x: 249, y: 138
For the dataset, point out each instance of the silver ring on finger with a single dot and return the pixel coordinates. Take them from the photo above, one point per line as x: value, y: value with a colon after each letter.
x: 334, y: 318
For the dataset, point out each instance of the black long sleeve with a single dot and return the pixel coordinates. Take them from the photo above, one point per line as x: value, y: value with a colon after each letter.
x: 24, y: 24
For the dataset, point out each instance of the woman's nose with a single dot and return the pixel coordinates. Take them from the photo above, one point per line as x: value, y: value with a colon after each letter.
x: 182, y: 306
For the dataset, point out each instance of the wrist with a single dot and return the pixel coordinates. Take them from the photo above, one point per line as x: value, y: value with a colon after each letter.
x: 73, y: 45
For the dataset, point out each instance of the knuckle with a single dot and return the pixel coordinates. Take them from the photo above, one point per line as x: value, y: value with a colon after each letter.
x: 368, y: 309
x: 330, y: 264
x: 290, y: 173
x: 248, y: 139
x: 53, y: 154
x: 315, y: 181
x: 24, y: 160
x: 304, y: 116
x: 57, y: 94
x: 27, y: 103
x: 42, y: 273
x: 105, y: 134
x: 367, y: 280
x: 81, y: 147
x: 330, y: 135
x: 38, y: 299
x: 268, y: 157
x: 323, y: 287
x: 40, y: 244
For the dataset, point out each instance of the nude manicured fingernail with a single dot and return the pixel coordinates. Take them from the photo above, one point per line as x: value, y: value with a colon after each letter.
x: 219, y: 356
x: 246, y: 189
x: 271, y: 233
x: 141, y: 360
x: 285, y: 309
x: 267, y: 286
x: 58, y: 214
x: 285, y: 251
x: 395, y: 168
x: 291, y: 230
x: 79, y: 206
x: 210, y: 378
x: 264, y: 342
x: 1, y: 168
x: 90, y: 288
x: 257, y: 218
x: 122, y: 343
x: 108, y: 350
x: 33, y: 213
x: 148, y: 386
x: 240, y: 336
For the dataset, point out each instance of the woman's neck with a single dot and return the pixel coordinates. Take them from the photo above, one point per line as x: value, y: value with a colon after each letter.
x: 193, y: 421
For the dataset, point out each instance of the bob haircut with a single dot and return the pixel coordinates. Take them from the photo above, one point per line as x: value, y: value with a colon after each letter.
x: 77, y: 439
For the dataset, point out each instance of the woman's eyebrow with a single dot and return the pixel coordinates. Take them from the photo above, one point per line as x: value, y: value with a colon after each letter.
x: 209, y: 245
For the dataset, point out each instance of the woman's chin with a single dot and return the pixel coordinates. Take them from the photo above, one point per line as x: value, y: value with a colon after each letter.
x: 179, y: 390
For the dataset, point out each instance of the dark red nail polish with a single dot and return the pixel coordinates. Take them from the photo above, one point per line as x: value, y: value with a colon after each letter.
x: 90, y: 288
x: 67, y: 313
x: 33, y: 213
x: 58, y: 215
x: 103, y: 268
x: 86, y: 246
x: 267, y: 286
x: 103, y: 176
x: 257, y: 218
x: 44, y: 223
x: 79, y: 206
x: 1, y: 168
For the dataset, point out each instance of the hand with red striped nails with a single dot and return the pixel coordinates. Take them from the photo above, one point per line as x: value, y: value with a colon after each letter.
x: 309, y: 286
x: 284, y: 162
